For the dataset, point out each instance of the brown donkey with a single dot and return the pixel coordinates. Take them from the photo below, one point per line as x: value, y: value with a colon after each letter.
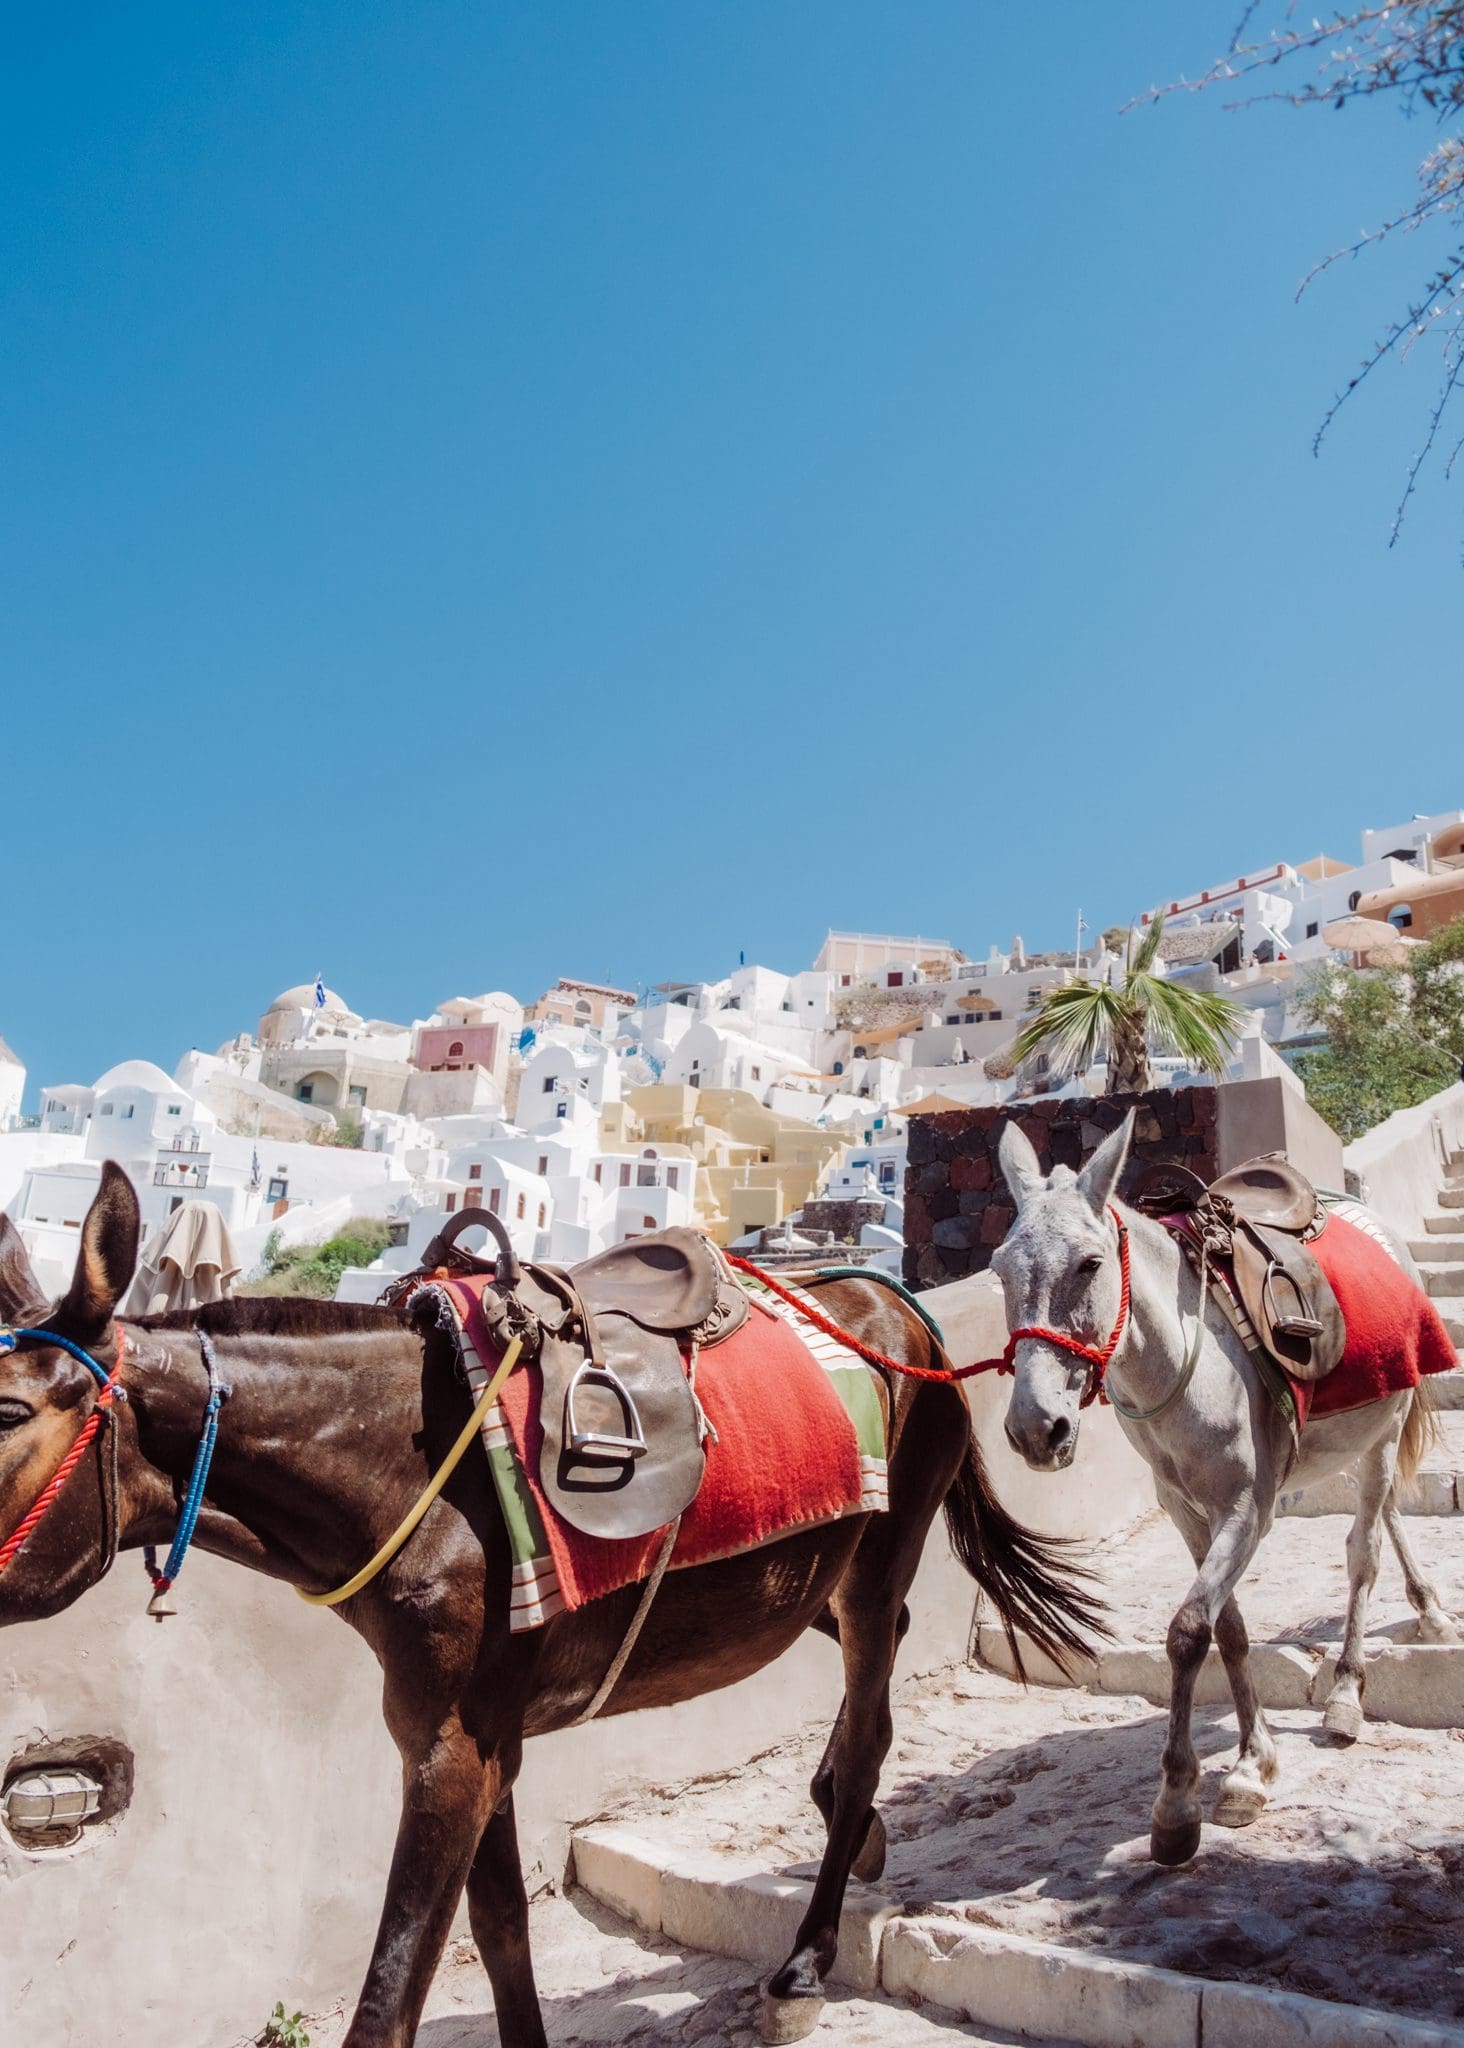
x: 337, y: 1417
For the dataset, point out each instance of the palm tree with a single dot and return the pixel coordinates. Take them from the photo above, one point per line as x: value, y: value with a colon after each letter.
x: 1128, y: 1017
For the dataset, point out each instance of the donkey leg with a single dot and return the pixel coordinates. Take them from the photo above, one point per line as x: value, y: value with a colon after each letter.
x: 1174, y: 1833
x: 1434, y: 1625
x: 794, y: 1997
x: 1242, y: 1795
x: 869, y: 1862
x: 498, y: 1910
x: 448, y: 1790
x: 1342, y: 1716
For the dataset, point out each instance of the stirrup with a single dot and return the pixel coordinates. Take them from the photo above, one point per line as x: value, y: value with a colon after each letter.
x: 1287, y: 1326
x: 581, y: 1443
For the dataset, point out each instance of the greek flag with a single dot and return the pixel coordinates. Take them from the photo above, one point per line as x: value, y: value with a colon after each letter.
x: 319, y: 993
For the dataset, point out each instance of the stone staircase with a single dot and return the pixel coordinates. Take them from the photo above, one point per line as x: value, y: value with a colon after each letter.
x: 1440, y: 1252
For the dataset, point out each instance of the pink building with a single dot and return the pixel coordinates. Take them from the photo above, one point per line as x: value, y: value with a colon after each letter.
x: 447, y: 1048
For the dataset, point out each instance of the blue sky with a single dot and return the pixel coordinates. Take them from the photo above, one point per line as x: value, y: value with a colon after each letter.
x: 500, y: 492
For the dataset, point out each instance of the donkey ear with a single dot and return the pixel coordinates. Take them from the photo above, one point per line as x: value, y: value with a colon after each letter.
x: 1099, y: 1178
x: 1019, y: 1162
x: 105, y: 1263
x: 21, y: 1294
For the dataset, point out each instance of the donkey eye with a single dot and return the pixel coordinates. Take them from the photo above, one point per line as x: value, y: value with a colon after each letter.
x: 14, y: 1413
x: 1091, y: 1264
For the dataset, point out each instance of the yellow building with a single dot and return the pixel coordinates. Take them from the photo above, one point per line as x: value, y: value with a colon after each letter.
x: 754, y: 1165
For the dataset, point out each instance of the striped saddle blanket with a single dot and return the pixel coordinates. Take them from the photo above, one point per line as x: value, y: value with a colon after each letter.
x: 798, y: 1436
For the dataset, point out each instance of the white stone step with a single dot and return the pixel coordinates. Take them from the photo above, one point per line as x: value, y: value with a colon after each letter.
x: 1447, y: 1388
x: 1451, y: 1197
x: 1449, y: 1225
x: 1439, y: 1250
x: 1294, y: 1600
x: 1444, y: 1280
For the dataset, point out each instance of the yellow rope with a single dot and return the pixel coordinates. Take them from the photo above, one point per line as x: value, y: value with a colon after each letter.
x: 430, y: 1492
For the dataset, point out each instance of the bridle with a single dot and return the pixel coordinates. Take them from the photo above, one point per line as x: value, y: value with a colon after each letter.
x: 111, y: 1391
x: 1098, y: 1357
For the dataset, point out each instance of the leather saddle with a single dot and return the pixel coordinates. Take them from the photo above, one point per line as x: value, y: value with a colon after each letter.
x: 623, y: 1450
x: 1259, y: 1217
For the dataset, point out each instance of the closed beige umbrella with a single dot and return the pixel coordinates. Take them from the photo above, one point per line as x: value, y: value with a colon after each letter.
x: 188, y: 1262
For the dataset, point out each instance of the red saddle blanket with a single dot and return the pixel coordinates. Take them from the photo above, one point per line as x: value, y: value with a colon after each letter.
x: 799, y: 1440
x: 1395, y: 1335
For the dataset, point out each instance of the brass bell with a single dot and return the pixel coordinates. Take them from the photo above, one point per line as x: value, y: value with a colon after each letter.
x: 162, y: 1604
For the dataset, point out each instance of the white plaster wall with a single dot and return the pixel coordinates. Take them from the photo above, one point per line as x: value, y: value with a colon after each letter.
x: 1402, y: 1158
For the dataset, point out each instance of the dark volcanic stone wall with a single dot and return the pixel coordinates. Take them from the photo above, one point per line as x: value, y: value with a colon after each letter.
x: 957, y: 1209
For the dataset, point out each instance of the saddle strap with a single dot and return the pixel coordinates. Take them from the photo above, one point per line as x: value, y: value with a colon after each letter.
x: 621, y: 1658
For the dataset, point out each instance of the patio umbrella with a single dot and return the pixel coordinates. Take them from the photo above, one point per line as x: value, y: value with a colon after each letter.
x: 186, y: 1263
x: 1368, y: 937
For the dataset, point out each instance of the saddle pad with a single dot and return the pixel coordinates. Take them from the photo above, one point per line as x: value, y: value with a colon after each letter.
x: 1395, y: 1335
x: 799, y: 1440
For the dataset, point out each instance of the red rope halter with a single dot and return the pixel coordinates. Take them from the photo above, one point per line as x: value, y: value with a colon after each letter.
x: 15, y: 1543
x: 1097, y: 1358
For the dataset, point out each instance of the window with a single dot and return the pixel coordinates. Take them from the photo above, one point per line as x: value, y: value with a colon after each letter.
x: 1400, y: 917
x: 521, y: 1208
x: 896, y: 980
x: 543, y: 1162
x: 106, y: 1109
x: 953, y: 1020
x: 475, y: 1172
x: 495, y: 1196
x: 757, y: 1073
x: 1354, y: 899
x: 278, y: 1190
x: 625, y: 1173
x: 561, y: 1109
x: 305, y: 1091
x: 1034, y: 997
x: 597, y: 1174
x: 356, y: 1095
x: 645, y: 1176
x: 548, y: 1088
x: 844, y: 980
x: 455, y: 1050
x: 648, y: 1223
x: 472, y: 1198
x: 838, y: 1066
x: 175, y: 1109
x: 993, y: 1016
x: 542, y: 1213
x: 673, y: 1176
x: 131, y: 1107
x: 451, y: 1204
x: 1311, y: 931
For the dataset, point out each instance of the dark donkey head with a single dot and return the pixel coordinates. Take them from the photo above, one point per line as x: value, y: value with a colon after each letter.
x: 46, y: 1396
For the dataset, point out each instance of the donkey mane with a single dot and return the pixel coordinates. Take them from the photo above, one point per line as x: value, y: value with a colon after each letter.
x: 275, y: 1315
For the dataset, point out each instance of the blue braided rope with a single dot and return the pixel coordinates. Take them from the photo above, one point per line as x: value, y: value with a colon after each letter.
x: 197, y: 1478
x: 9, y: 1339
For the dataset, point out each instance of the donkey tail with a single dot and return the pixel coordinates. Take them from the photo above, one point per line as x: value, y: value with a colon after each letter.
x: 1421, y: 1433
x: 1035, y: 1583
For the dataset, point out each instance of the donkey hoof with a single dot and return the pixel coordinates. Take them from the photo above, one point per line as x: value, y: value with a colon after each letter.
x: 1437, y: 1630
x: 789, y: 2019
x: 868, y: 1865
x: 1175, y: 1844
x: 1238, y: 1805
x: 1342, y: 1720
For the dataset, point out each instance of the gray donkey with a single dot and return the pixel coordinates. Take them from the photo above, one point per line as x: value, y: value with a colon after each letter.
x: 1191, y: 1402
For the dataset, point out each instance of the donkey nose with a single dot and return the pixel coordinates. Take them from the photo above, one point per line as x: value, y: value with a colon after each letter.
x: 1059, y: 1436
